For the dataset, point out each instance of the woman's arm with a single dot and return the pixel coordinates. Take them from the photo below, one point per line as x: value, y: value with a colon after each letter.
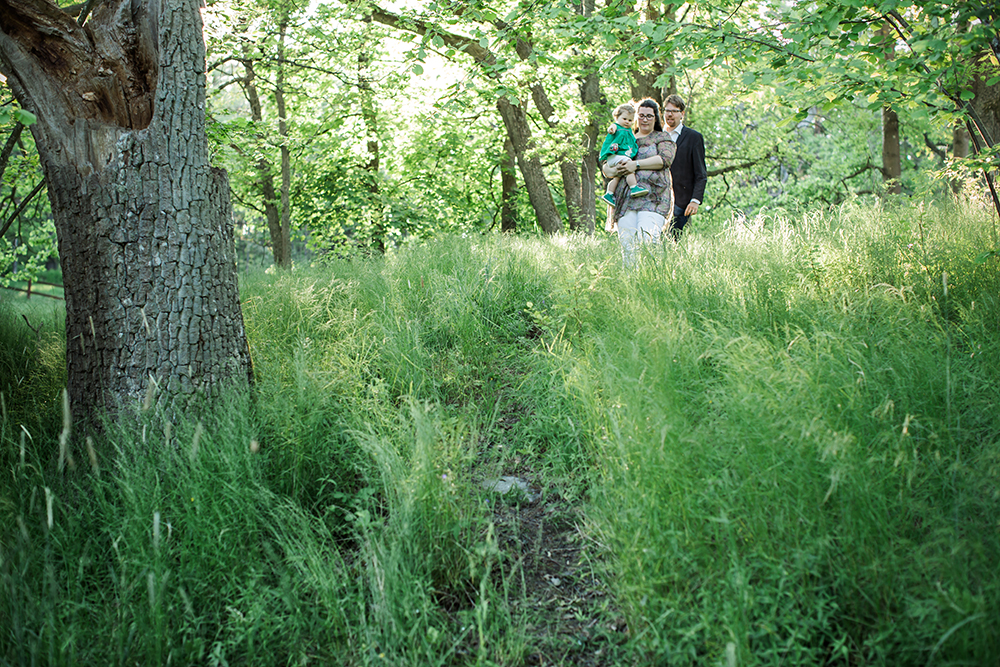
x: 653, y: 163
x: 665, y: 150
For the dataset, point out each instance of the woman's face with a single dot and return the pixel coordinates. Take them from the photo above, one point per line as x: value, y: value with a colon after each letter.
x: 647, y: 119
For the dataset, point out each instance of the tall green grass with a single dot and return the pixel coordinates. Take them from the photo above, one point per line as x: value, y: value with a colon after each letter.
x: 799, y: 427
x: 783, y: 437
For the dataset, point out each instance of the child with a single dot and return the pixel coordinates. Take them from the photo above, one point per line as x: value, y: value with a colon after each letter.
x: 620, y: 146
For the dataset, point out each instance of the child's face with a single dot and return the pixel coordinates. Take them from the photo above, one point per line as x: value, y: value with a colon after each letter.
x: 625, y: 118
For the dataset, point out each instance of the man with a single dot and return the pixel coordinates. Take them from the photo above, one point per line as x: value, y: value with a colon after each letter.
x: 688, y: 169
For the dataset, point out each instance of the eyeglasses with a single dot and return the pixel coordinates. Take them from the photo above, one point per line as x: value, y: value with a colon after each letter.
x: 647, y: 116
x: 671, y: 111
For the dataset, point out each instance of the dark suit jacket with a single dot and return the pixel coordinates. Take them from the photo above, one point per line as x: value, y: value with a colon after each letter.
x: 688, y: 168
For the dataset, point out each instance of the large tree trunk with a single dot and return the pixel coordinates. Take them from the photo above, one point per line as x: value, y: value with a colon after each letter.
x: 144, y: 223
x: 590, y: 95
x: 568, y: 169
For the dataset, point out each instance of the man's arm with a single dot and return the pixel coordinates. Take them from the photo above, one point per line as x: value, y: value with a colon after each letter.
x: 698, y: 166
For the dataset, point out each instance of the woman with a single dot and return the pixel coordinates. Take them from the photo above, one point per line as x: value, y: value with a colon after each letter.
x: 643, y: 219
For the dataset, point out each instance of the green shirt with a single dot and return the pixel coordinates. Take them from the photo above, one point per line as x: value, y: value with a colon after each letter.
x: 622, y: 142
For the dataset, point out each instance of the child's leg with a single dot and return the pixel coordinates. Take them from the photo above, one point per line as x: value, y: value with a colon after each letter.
x: 613, y: 184
x: 630, y: 179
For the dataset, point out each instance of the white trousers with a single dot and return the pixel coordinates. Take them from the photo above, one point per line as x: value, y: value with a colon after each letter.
x: 636, y: 228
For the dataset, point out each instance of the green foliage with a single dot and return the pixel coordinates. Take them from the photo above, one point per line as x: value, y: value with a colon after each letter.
x: 29, y: 243
x: 24, y: 117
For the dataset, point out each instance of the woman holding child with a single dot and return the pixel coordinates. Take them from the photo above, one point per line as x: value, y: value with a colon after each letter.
x: 643, y: 218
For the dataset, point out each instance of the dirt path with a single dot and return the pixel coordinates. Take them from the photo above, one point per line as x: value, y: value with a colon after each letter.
x: 576, y: 620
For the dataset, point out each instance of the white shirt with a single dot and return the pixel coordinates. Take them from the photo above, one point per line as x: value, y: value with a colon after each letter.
x: 676, y: 133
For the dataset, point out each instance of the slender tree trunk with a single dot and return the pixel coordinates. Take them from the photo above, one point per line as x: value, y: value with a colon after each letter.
x: 285, y: 260
x: 892, y: 169
x: 508, y: 189
x: 539, y: 195
x: 959, y: 149
x: 568, y: 170
x: 264, y: 175
x: 514, y: 119
x: 144, y: 223
x: 590, y: 95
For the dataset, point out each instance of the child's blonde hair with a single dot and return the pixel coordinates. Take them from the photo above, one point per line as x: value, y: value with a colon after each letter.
x: 628, y: 106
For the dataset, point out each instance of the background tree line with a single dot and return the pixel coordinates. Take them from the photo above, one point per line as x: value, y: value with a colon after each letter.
x: 348, y: 125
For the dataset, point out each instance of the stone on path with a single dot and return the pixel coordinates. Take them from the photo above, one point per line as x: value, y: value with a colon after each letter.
x: 506, y: 484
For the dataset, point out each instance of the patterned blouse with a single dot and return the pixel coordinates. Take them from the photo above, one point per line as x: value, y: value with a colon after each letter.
x: 661, y: 189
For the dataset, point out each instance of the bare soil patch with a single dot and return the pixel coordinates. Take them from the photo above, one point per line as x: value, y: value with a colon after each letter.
x: 575, y: 619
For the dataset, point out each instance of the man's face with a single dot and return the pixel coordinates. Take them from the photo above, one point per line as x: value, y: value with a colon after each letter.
x: 672, y: 116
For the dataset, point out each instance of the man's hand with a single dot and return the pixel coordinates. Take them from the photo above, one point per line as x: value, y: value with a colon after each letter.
x: 691, y: 209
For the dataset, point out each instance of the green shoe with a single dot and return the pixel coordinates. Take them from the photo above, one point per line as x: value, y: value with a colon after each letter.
x: 638, y: 191
x: 608, y: 198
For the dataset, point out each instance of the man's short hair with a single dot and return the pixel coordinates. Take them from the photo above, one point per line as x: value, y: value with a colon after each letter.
x: 675, y: 100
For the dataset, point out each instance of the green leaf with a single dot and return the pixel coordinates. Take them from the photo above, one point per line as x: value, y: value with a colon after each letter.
x: 417, y: 69
x: 484, y: 42
x: 983, y: 257
x: 24, y: 117
x: 967, y: 95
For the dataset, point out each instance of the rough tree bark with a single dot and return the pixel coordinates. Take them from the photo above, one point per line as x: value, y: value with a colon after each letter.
x: 516, y: 121
x: 892, y: 167
x: 144, y: 223
x: 590, y: 95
